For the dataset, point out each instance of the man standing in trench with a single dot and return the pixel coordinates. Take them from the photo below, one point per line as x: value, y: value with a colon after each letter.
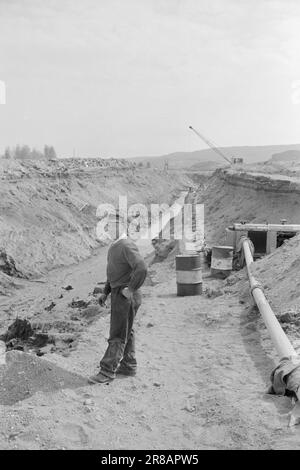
x: 126, y: 272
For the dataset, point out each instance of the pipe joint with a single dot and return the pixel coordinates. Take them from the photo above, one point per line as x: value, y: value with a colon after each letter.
x: 256, y: 285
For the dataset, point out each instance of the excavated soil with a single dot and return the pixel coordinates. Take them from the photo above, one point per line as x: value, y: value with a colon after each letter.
x: 25, y: 374
x: 48, y: 210
x: 230, y: 197
x: 203, y: 362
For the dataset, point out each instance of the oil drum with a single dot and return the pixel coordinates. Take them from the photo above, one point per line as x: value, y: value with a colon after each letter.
x: 188, y: 274
x: 221, y: 261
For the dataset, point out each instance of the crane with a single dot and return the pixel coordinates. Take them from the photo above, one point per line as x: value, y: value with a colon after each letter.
x: 211, y: 145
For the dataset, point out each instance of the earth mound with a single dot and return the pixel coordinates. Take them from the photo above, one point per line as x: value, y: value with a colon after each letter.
x: 25, y: 374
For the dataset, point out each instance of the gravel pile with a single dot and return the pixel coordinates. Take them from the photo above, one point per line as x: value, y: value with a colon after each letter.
x: 25, y: 374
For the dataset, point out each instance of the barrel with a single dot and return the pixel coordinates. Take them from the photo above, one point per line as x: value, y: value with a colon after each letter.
x: 188, y: 274
x: 221, y: 260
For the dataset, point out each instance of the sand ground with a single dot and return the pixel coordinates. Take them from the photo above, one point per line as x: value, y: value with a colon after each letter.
x: 204, y: 362
x: 203, y: 371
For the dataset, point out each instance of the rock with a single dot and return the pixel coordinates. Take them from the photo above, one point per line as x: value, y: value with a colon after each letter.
x: 7, y: 265
x: 79, y: 304
x: 20, y: 328
x: 68, y: 288
x: 88, y: 402
x: 46, y: 349
x: 15, y: 344
x: 189, y: 408
x: 90, y: 312
x: 156, y: 384
x: 75, y: 317
x: 150, y: 325
x: 213, y: 293
x: 231, y: 280
x: 40, y: 340
x: 65, y: 354
x: 65, y: 337
x: 288, y: 317
x: 50, y: 307
x: 98, y: 290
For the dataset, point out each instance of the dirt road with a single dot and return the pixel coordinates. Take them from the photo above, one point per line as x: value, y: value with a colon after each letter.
x: 203, y: 370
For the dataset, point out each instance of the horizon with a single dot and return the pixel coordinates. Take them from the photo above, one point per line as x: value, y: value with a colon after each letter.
x: 170, y: 154
x: 220, y: 147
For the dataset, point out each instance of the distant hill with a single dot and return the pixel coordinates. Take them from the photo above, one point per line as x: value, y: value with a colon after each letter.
x: 287, y: 156
x: 187, y: 159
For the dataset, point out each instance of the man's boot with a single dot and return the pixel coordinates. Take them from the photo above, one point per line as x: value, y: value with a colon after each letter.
x: 99, y: 379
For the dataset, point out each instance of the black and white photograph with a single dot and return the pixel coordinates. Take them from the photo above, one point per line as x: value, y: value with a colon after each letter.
x: 149, y: 228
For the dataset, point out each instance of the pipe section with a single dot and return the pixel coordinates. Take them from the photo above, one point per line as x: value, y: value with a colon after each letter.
x: 281, y: 342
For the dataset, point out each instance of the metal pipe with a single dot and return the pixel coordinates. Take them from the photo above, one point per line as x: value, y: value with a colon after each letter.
x: 281, y: 342
x: 267, y: 227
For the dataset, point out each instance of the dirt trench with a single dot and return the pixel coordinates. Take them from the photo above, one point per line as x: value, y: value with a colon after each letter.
x: 203, y: 369
x: 48, y: 211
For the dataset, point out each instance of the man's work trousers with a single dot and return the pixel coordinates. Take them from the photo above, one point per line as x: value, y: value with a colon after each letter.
x: 121, y: 343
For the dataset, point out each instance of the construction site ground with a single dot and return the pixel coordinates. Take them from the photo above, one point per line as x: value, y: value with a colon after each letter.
x: 203, y: 362
x: 203, y: 370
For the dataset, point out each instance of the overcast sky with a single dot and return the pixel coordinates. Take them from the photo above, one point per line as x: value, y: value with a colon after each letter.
x: 127, y: 77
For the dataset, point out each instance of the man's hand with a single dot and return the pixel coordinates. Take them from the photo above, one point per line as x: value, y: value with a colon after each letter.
x: 102, y: 300
x: 127, y: 293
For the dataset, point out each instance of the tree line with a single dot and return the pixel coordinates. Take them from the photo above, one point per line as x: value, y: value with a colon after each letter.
x: 24, y: 152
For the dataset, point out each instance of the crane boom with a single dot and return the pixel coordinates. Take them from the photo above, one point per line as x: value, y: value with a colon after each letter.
x: 211, y: 145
